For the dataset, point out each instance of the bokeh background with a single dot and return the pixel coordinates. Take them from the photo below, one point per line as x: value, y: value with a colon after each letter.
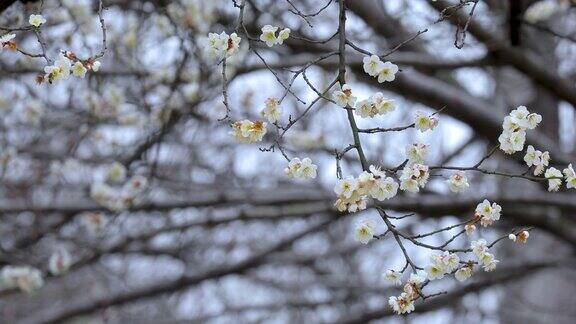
x: 220, y: 234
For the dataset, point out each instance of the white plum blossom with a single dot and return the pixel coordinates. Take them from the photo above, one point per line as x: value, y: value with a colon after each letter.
x: 536, y: 158
x: 7, y: 40
x: 222, y: 45
x: 60, y: 70
x: 304, y: 169
x: 489, y: 213
x: 470, y: 229
x: 458, y: 182
x: 353, y: 193
x: 512, y: 237
x: 554, y: 177
x: 463, y: 273
x: 36, y: 20
x: 434, y: 272
x: 416, y: 152
x: 60, y: 261
x: 283, y: 35
x: 479, y: 247
x: 414, y: 176
x: 268, y: 35
x: 246, y: 131
x: 345, y: 187
x: 26, y: 278
x: 364, y: 231
x: 423, y: 122
x: 372, y: 65
x: 382, y: 104
x: 489, y: 262
x: 388, y: 72
x: 570, y: 177
x: 523, y: 236
x: 376, y: 105
x: 272, y: 110
x: 393, y: 277
x: 402, y: 304
x: 79, y: 70
x: 514, y: 129
x: 116, y: 172
x: 344, y: 97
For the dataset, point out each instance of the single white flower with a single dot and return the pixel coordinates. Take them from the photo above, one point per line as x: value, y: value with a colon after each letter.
x: 388, y: 72
x: 523, y: 236
x: 36, y: 20
x: 469, y: 228
x: 554, y: 177
x: 458, y: 182
x: 434, y: 272
x: 463, y: 273
x: 570, y: 177
x: 364, y: 231
x: 283, y: 35
x: 345, y: 187
x: 489, y: 262
x: 116, y: 172
x: 393, y: 277
x: 423, y: 122
x: 272, y: 110
x: 512, y: 237
x: 488, y: 212
x: 372, y: 65
x: 344, y: 98
x: 78, y: 70
x: 268, y: 35
x: 402, y: 304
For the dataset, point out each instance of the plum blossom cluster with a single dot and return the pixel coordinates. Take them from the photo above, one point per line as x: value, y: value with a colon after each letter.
x: 301, y: 169
x: 488, y: 213
x: 119, y: 198
x: 404, y: 303
x: 521, y: 237
x: 539, y: 160
x: 222, y: 45
x: 66, y: 64
x: 414, y: 176
x: 27, y: 279
x: 247, y: 131
x: 271, y: 36
x: 353, y: 193
x: 272, y: 111
x: 514, y: 128
x: 376, y: 105
x: 384, y: 71
x: 442, y: 264
x: 487, y: 259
